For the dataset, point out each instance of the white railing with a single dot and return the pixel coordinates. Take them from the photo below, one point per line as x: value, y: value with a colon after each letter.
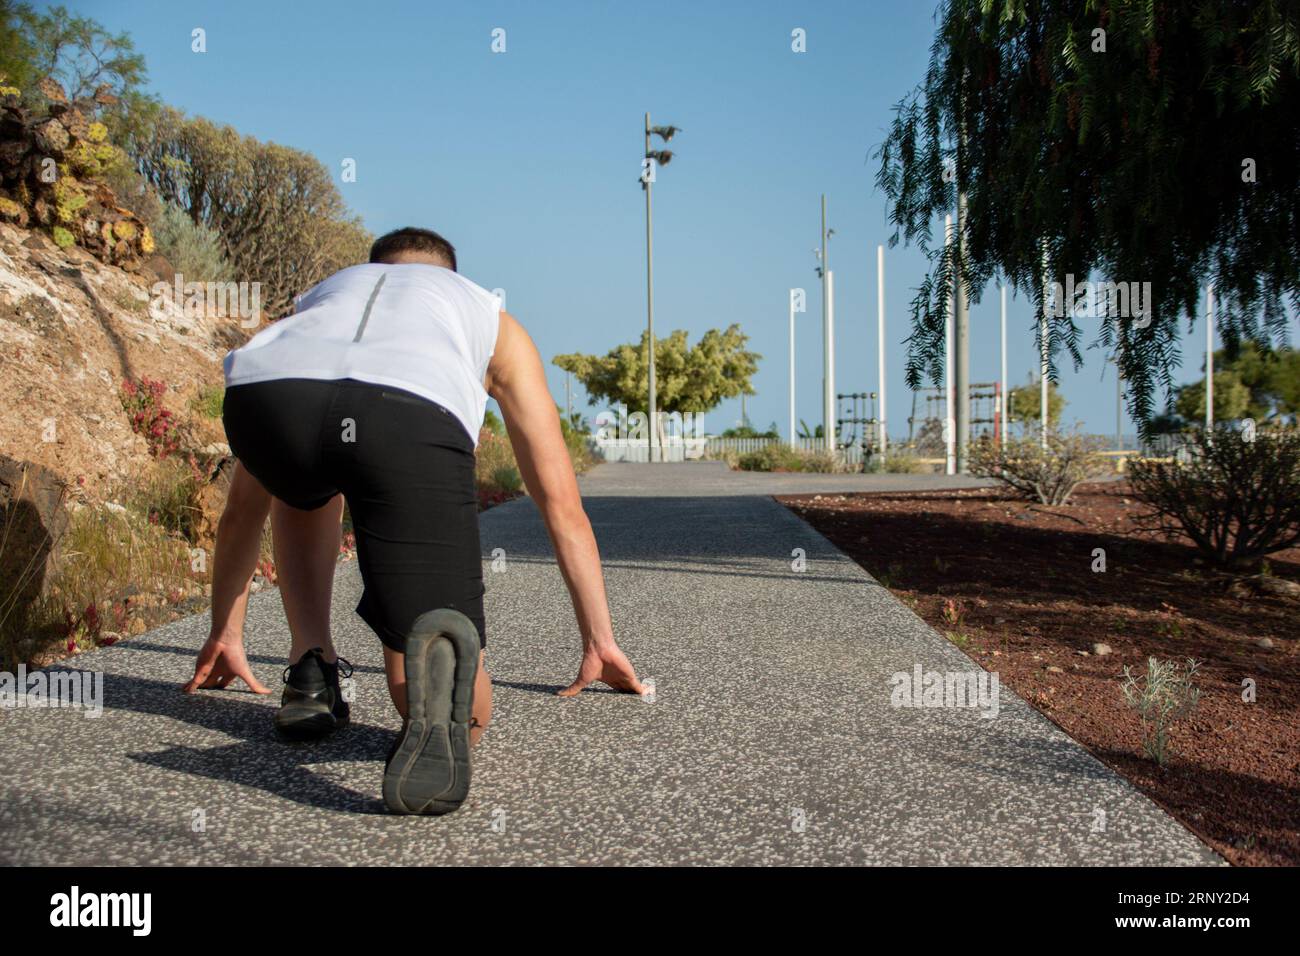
x: 694, y: 449
x: 636, y: 450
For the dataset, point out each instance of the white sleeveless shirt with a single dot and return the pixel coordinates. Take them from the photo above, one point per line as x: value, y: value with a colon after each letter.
x: 420, y: 328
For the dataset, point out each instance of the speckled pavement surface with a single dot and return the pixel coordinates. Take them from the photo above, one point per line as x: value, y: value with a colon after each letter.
x: 770, y: 738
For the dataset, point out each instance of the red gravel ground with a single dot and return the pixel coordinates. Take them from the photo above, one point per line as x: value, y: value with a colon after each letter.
x: 1012, y: 584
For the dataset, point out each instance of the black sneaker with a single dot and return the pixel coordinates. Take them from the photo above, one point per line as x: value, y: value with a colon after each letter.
x: 312, y: 704
x: 428, y: 770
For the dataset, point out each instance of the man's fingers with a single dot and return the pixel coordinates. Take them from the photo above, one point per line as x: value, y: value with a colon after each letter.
x: 621, y: 677
x: 630, y: 684
x: 201, y: 671
x: 573, y: 688
x: 214, y: 671
x: 246, y: 675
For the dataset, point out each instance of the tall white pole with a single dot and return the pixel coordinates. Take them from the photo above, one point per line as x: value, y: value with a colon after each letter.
x: 1209, y: 359
x: 1119, y: 395
x: 949, y: 438
x: 1002, y: 386
x: 880, y: 347
x: 961, y: 346
x: 792, y: 433
x: 828, y: 409
x: 831, y: 433
x: 1044, y: 352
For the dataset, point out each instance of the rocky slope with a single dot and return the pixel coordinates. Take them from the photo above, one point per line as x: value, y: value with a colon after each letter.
x: 72, y: 329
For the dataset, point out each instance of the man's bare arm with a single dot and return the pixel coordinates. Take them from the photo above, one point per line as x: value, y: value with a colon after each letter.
x: 517, y: 380
x: 238, y: 547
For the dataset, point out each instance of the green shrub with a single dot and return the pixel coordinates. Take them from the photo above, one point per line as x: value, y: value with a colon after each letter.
x: 773, y: 457
x: 492, y: 459
x: 1165, y: 695
x: 1046, y: 475
x: 506, y: 478
x: 782, y: 457
x: 1236, y: 496
x: 210, y: 401
x: 195, y: 251
x: 167, y: 496
x: 576, y: 440
x: 111, y: 562
x: 492, y: 421
x: 902, y: 465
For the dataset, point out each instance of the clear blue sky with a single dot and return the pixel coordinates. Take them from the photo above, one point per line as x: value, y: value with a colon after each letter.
x: 528, y: 161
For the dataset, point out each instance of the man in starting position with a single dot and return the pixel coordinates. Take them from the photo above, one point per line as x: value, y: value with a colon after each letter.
x: 374, y: 391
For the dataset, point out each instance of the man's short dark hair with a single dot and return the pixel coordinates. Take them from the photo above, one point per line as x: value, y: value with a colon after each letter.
x: 412, y: 239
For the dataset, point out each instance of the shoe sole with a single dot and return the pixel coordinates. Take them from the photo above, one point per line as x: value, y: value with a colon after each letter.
x: 305, y: 724
x: 429, y: 773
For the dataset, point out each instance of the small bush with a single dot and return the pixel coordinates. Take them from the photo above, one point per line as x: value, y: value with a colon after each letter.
x: 195, y: 251
x: 209, y: 402
x: 1236, y: 498
x: 167, y: 497
x: 773, y: 457
x: 781, y: 457
x: 495, y: 461
x: 1046, y: 475
x: 493, y: 423
x: 142, y: 402
x: 580, y: 452
x: 902, y: 465
x: 1165, y: 695
x: 112, y: 566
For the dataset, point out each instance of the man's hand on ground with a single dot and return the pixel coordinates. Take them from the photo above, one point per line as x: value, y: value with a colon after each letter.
x: 218, y: 665
x: 608, y: 665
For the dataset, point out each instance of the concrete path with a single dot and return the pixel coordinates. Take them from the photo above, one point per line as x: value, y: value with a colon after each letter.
x: 771, y: 738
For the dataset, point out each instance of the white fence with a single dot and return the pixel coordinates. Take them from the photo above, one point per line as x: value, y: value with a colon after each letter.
x: 852, y: 455
x: 637, y: 450
x: 694, y: 449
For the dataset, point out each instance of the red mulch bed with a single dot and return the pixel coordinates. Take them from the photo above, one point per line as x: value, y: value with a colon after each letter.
x: 1011, y: 583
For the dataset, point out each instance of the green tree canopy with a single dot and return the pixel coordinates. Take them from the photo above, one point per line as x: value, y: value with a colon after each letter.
x: 1024, y: 402
x: 688, y: 378
x: 1144, y: 140
x: 82, y: 56
x: 1272, y: 378
x: 280, y: 216
x: 1231, y: 399
x: 1254, y: 383
x: 17, y: 54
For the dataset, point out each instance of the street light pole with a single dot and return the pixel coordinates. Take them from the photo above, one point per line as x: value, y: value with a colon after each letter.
x: 652, y: 161
x: 647, y: 182
x: 880, y: 349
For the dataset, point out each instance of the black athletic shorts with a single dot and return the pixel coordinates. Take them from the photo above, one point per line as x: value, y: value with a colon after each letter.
x: 404, y: 464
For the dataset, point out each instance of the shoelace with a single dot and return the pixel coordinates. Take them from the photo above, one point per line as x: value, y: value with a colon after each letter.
x: 342, y: 663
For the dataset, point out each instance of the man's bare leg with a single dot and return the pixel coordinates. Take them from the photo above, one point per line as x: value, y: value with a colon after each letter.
x: 234, y: 559
x: 306, y: 556
x: 395, y: 667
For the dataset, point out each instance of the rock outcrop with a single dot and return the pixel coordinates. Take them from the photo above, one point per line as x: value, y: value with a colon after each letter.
x: 52, y: 165
x: 32, y: 522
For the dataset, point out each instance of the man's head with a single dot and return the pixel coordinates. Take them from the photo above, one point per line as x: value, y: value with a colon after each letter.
x: 414, y: 245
